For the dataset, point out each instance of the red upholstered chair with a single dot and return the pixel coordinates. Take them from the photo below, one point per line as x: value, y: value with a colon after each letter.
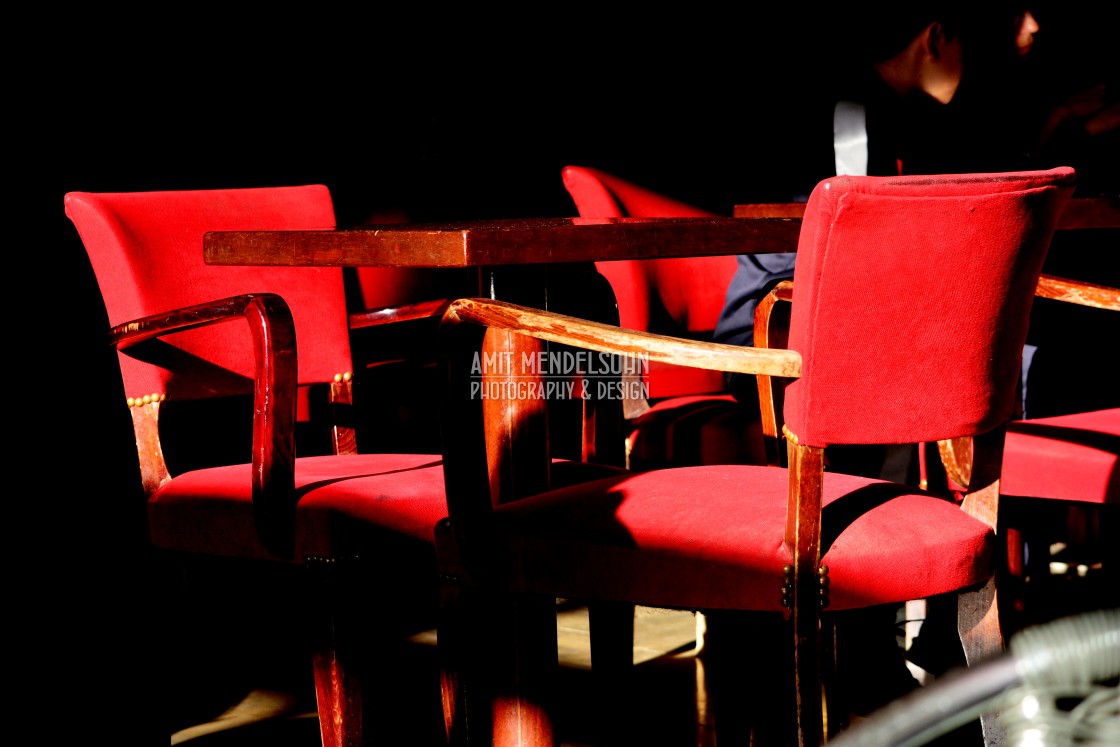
x: 689, y: 418
x: 792, y: 548
x: 262, y: 505
x: 1061, y: 477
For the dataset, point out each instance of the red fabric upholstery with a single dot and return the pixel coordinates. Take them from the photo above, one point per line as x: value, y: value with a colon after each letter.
x: 1067, y: 457
x: 902, y: 249
x: 711, y: 537
x: 146, y: 252
x: 210, y: 511
x: 681, y: 297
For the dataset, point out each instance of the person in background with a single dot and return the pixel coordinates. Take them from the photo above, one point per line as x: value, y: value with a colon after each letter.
x: 894, y: 67
x: 1039, y: 92
x: 1025, y: 27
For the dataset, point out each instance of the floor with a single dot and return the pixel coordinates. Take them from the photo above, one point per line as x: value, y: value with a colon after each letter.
x: 281, y: 713
x: 241, y: 695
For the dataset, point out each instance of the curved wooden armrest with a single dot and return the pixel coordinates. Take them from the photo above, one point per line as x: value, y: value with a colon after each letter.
x: 1078, y: 292
x: 956, y: 455
x: 513, y: 424
x: 605, y: 338
x: 127, y: 334
x: 767, y: 335
x: 274, y: 396
x: 392, y: 315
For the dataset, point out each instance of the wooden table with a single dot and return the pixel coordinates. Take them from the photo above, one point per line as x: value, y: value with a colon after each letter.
x: 525, y: 260
x: 518, y: 260
x: 547, y: 241
x: 546, y: 263
x: 497, y: 243
x: 542, y: 263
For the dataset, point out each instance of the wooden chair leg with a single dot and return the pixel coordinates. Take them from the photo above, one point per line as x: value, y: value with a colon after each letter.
x: 747, y: 678
x: 336, y: 659
x: 611, y: 626
x: 458, y: 673
x: 808, y: 687
x: 979, y: 627
x: 611, y: 632
x: 524, y: 664
x: 834, y: 708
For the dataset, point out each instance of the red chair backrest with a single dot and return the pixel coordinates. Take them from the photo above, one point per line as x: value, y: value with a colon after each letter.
x: 146, y: 253
x: 681, y: 297
x: 896, y: 275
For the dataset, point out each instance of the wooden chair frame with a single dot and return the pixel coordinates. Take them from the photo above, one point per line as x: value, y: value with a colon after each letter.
x: 806, y: 580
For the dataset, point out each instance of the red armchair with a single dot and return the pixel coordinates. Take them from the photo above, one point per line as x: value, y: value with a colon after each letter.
x: 1061, y: 476
x: 795, y: 546
x: 261, y: 505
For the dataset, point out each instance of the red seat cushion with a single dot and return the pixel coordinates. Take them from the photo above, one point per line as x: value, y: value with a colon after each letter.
x: 210, y: 510
x: 1067, y: 457
x: 711, y: 537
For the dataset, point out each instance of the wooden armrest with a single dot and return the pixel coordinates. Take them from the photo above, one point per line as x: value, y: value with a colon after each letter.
x: 770, y: 399
x: 956, y: 455
x: 605, y: 338
x: 514, y: 425
x: 1078, y: 292
x: 274, y: 398
x: 392, y: 315
x: 770, y: 210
